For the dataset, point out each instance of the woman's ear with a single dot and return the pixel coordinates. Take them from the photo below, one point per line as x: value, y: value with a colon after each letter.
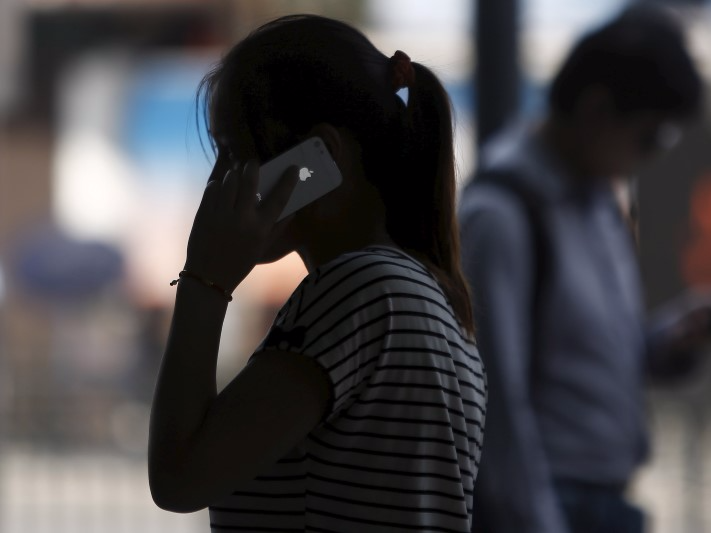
x: 331, y: 137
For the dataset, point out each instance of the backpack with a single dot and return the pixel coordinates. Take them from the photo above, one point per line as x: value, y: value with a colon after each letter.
x: 530, y: 204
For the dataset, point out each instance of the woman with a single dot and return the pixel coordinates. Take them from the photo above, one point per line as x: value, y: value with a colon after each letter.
x: 363, y: 408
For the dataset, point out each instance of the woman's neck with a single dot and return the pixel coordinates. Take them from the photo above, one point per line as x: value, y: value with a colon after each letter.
x: 315, y: 254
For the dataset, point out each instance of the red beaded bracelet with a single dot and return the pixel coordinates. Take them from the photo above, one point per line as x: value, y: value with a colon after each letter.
x: 204, y: 281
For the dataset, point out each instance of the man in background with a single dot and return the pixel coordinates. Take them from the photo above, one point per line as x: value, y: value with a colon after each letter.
x: 557, y: 292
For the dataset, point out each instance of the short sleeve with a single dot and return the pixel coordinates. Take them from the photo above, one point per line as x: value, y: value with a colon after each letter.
x: 341, y: 316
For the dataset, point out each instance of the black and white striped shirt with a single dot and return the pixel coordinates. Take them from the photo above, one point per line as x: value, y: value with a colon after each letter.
x: 399, y: 447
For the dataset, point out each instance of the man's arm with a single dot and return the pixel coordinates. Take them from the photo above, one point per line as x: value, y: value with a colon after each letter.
x: 513, y: 489
x: 677, y: 334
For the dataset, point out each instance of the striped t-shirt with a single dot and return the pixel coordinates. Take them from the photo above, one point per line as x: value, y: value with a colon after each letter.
x: 399, y: 447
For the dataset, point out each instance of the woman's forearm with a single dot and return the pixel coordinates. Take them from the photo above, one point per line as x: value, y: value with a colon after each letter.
x: 186, y: 384
x: 202, y: 444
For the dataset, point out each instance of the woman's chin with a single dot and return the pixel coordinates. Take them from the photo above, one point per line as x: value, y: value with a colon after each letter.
x: 271, y: 256
x: 278, y: 247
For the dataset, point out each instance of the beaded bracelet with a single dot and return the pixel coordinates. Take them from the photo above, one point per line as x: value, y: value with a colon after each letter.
x: 207, y: 282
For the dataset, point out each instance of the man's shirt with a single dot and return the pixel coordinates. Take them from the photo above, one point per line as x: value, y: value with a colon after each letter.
x: 566, y: 371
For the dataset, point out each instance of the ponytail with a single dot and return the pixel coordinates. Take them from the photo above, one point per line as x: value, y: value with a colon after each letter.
x: 426, y: 223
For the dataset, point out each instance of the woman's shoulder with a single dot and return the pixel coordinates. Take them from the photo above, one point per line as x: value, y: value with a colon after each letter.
x: 372, y: 263
x: 372, y: 280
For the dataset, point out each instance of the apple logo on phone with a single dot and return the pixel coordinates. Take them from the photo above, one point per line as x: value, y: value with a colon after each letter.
x: 305, y: 174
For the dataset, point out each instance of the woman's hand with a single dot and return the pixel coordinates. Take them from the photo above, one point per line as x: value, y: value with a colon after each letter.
x: 202, y: 444
x: 231, y: 228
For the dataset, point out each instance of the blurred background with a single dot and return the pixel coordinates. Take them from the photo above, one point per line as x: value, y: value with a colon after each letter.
x: 102, y: 168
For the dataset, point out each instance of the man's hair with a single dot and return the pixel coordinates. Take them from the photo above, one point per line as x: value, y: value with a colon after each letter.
x: 641, y: 58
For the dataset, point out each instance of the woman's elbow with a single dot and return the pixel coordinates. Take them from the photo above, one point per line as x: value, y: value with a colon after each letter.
x: 167, y: 491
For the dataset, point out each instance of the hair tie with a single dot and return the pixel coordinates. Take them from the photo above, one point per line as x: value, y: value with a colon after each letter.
x: 402, y: 73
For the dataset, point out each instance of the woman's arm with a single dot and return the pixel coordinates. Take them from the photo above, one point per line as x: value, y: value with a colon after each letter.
x: 203, y: 444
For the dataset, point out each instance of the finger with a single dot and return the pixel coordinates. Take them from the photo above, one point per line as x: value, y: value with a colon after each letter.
x: 222, y: 164
x: 273, y: 206
x: 230, y: 185
x: 248, y: 186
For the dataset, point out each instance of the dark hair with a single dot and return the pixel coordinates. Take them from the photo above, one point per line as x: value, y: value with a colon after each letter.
x: 300, y: 70
x: 641, y: 58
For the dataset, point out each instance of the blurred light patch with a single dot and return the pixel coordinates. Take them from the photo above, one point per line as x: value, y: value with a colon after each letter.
x: 53, y: 266
x: 129, y: 426
x: 572, y: 15
x: 696, y: 254
x: 128, y: 128
x: 92, y: 178
x: 162, y: 125
x: 2, y: 285
x: 550, y: 27
x: 453, y: 16
x: 129, y: 165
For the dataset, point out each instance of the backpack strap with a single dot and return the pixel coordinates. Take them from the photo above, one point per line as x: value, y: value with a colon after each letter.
x: 532, y: 206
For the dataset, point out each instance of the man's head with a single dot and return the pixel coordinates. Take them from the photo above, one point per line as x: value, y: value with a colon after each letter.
x: 627, y: 87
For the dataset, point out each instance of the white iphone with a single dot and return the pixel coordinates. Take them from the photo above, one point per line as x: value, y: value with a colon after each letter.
x: 318, y: 174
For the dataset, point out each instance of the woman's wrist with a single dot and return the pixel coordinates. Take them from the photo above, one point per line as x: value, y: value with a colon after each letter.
x: 227, y: 279
x: 207, y: 282
x: 199, y: 293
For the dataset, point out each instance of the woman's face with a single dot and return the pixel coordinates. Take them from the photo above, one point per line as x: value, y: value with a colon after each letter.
x: 322, y: 221
x: 343, y: 215
x: 304, y: 227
